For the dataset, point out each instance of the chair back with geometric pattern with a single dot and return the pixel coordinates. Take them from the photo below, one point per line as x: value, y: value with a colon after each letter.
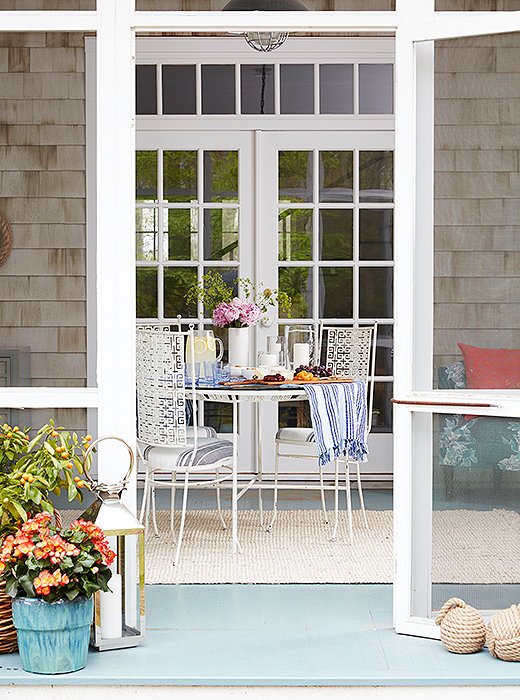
x: 161, y: 391
x: 351, y: 352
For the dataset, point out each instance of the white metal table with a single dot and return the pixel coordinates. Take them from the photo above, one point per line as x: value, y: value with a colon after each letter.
x: 256, y: 394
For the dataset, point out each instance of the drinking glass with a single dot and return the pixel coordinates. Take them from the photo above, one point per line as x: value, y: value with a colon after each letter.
x: 301, y: 344
x: 277, y: 345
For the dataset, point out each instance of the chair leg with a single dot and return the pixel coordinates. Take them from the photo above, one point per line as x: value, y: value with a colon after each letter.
x: 336, y: 498
x: 183, y: 518
x: 143, y: 516
x: 349, y: 501
x: 322, y: 493
x: 275, y: 492
x: 361, y: 499
x: 219, y: 506
x: 172, y: 503
x: 154, y: 512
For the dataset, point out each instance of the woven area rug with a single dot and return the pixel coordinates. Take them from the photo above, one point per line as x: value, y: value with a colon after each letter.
x: 469, y: 547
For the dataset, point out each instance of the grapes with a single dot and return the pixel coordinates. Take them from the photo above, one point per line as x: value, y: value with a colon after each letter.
x: 318, y: 370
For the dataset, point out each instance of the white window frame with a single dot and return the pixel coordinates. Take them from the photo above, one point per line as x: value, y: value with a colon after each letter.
x: 116, y: 23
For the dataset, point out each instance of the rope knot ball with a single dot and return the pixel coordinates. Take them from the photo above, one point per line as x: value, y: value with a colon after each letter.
x: 462, y: 628
x: 503, y: 634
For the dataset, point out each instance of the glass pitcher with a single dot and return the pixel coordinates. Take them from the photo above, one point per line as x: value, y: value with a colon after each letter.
x: 204, y: 347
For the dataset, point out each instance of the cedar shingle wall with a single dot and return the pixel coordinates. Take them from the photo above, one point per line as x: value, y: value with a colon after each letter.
x: 477, y: 190
x: 42, y: 192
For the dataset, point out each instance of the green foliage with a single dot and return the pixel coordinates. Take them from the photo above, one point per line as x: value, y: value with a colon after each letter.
x: 213, y: 290
x: 31, y: 469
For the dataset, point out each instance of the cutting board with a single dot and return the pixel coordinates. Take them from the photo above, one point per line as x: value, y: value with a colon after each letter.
x: 296, y: 382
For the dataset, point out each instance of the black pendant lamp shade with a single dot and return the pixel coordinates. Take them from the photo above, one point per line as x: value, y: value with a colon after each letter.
x: 265, y: 41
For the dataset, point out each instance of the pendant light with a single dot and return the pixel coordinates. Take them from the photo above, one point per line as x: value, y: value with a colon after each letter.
x: 265, y: 41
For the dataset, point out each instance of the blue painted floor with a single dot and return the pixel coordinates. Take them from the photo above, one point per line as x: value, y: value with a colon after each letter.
x: 275, y: 635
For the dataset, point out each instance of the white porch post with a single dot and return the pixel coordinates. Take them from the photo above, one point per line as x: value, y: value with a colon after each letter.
x: 409, y: 300
x: 115, y: 225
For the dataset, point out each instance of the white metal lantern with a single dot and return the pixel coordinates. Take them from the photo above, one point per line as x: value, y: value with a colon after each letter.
x: 119, y: 618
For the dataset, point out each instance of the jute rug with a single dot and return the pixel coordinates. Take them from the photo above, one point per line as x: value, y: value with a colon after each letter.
x: 469, y: 547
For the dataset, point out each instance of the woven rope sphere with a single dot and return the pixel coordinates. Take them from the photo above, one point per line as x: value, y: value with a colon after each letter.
x: 462, y: 628
x: 503, y: 634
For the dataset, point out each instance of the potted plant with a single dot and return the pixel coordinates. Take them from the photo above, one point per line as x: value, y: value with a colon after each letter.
x: 52, y: 575
x: 30, y: 471
x: 236, y: 312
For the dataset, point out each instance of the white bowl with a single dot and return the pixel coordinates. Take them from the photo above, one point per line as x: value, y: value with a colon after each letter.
x: 252, y: 373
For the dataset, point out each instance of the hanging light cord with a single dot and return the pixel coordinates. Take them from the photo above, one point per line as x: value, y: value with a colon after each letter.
x: 262, y: 94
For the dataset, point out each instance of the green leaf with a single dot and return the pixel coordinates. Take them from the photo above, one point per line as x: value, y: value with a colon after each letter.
x: 11, y: 586
x: 19, y: 510
x: 71, y: 593
x: 27, y: 585
x: 50, y: 449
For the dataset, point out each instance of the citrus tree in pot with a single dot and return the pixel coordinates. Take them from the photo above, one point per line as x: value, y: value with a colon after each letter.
x: 52, y: 575
x: 31, y: 469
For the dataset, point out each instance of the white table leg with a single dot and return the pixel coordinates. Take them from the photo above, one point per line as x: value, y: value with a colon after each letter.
x: 259, y: 462
x: 234, y: 495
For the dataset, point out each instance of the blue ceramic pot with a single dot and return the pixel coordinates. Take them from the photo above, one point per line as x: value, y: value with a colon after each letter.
x: 53, y: 637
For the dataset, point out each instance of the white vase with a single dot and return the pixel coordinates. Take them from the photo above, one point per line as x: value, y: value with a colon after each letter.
x: 238, y: 346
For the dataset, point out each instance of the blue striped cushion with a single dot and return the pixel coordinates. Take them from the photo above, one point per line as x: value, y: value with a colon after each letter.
x: 209, y: 452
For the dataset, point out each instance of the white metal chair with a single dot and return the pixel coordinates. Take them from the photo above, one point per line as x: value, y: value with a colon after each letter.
x: 166, y: 445
x: 350, y: 352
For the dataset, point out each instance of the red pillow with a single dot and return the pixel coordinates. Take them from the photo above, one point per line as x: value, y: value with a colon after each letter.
x: 491, y: 368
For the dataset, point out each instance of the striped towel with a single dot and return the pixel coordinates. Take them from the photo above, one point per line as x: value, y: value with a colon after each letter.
x: 338, y: 414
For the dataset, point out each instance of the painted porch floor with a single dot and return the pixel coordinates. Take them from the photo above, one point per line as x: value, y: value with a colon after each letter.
x: 262, y: 635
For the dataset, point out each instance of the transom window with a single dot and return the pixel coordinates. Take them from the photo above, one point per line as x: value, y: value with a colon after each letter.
x: 264, y: 88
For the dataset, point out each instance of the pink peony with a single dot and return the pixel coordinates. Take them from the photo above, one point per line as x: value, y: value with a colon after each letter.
x: 237, y: 313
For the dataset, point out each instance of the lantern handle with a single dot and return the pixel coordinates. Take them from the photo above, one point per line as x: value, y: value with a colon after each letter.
x: 96, y: 442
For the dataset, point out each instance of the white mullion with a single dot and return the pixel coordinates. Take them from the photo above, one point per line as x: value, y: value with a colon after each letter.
x: 315, y: 311
x: 160, y: 225
x: 159, y: 79
x: 200, y: 190
x: 238, y: 95
x: 355, y: 237
x: 198, y: 89
x: 355, y: 87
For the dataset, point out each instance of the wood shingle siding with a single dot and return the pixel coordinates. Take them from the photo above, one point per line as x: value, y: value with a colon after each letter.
x: 42, y: 192
x: 477, y: 186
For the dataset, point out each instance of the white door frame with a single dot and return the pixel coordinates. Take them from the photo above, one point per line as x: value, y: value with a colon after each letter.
x: 414, y: 313
x: 116, y: 23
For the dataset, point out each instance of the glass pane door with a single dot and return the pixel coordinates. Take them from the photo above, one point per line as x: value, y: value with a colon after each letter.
x: 327, y: 241
x: 193, y: 216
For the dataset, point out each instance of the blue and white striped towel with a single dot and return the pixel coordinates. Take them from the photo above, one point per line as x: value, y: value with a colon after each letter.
x: 338, y: 414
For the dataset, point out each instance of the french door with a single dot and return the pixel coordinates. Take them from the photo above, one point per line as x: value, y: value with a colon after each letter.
x: 310, y: 213
x: 324, y: 222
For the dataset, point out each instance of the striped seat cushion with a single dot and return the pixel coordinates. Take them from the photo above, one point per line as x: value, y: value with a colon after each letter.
x: 295, y: 435
x: 209, y: 451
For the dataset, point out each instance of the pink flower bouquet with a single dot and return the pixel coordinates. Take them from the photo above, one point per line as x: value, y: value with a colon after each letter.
x: 236, y: 314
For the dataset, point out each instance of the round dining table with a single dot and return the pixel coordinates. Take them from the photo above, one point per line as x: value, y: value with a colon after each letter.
x: 236, y: 393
